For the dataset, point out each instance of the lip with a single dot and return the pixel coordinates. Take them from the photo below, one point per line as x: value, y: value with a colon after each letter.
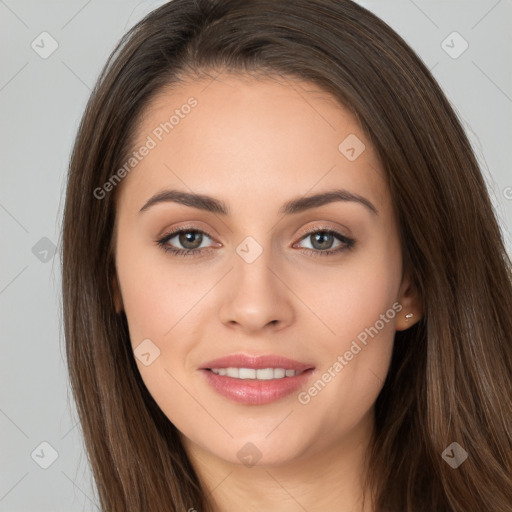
x: 252, y: 391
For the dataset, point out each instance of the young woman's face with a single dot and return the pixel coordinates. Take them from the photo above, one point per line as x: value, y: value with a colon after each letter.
x: 268, y: 272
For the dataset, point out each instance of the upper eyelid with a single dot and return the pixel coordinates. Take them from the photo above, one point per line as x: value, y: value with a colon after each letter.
x: 173, y: 233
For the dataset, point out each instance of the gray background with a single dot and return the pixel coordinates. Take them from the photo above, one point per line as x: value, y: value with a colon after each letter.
x: 41, y: 102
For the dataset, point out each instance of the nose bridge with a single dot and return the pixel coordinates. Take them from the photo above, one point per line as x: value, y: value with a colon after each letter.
x: 258, y: 297
x: 252, y: 272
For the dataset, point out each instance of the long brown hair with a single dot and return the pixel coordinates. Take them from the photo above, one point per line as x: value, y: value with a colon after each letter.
x: 450, y: 378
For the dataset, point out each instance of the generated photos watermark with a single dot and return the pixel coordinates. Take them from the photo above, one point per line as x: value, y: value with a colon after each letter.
x: 341, y: 361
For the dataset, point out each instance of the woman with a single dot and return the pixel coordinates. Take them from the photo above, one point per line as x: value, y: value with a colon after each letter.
x: 246, y: 372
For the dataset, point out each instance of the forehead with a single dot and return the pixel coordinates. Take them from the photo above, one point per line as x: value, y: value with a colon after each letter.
x: 237, y: 135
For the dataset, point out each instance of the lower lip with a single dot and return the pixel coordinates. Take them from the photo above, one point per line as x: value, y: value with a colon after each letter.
x: 255, y: 392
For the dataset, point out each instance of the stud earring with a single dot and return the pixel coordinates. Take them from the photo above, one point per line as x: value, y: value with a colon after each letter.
x: 409, y: 315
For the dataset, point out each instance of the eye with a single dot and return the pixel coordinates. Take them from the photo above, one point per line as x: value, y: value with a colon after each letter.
x: 192, y: 239
x: 324, y: 238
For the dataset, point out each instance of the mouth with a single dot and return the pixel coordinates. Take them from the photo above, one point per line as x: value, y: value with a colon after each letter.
x: 256, y: 380
x: 256, y: 373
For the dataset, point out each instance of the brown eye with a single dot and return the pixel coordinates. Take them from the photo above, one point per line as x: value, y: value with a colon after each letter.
x: 190, y: 239
x: 188, y: 242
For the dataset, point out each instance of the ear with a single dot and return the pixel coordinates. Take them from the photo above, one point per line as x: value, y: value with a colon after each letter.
x: 412, y: 308
x: 118, y: 300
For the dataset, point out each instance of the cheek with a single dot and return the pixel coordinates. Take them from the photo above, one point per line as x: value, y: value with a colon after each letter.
x: 358, y: 308
x: 161, y: 302
x: 158, y: 294
x: 351, y: 296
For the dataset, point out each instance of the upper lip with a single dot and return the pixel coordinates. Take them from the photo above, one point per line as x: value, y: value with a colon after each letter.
x: 256, y: 362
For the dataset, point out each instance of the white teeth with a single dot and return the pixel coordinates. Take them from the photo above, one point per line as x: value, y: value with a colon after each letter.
x: 265, y: 374
x: 233, y: 372
x: 247, y: 373
x: 251, y: 373
x: 279, y: 373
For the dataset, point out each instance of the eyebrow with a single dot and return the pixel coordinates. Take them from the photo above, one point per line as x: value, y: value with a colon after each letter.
x: 294, y: 206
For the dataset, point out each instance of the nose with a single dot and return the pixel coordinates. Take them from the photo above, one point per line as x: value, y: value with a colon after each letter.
x: 255, y: 296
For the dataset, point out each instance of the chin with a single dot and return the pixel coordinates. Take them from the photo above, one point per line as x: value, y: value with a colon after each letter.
x: 261, y: 450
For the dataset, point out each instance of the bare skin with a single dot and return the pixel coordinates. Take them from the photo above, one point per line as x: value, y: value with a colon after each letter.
x: 256, y: 144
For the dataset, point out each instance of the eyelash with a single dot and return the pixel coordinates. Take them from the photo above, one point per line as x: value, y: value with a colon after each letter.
x: 349, y: 243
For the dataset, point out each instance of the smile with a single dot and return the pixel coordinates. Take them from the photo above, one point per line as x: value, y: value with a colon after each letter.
x: 252, y: 373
